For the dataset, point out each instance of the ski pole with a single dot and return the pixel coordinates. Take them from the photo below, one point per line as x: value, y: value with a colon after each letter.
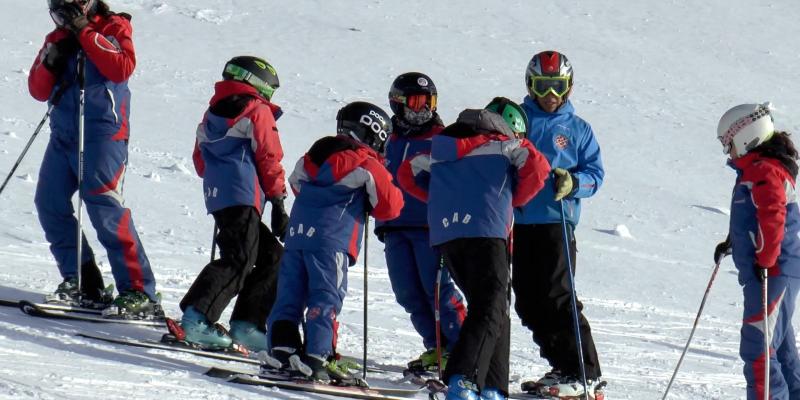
x: 437, y: 289
x: 574, y: 301
x: 53, y: 104
x: 214, y: 242
x: 691, y: 334
x: 767, y: 333
x: 366, y: 252
x: 81, y: 127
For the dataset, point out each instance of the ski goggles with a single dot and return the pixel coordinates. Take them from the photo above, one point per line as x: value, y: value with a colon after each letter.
x: 417, y: 101
x: 543, y: 85
x: 241, y: 74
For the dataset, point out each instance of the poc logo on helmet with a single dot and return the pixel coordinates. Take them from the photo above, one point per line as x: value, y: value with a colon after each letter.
x: 370, y: 121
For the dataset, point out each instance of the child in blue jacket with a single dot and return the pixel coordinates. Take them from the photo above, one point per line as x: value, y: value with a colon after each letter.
x: 764, y: 238
x: 336, y: 183
x: 411, y: 261
x: 479, y: 168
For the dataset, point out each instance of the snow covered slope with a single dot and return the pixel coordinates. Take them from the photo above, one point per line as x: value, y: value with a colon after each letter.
x: 651, y: 77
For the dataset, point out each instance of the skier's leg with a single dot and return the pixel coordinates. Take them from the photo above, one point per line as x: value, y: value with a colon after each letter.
x: 532, y: 259
x: 54, y: 190
x: 287, y: 313
x: 408, y: 290
x: 257, y: 297
x: 452, y: 308
x: 751, y: 348
x: 479, y: 267
x: 105, y: 163
x: 557, y: 334
x: 327, y: 287
x: 222, y: 279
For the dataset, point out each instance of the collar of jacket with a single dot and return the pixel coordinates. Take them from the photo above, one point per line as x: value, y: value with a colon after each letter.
x: 533, y: 108
x: 223, y: 89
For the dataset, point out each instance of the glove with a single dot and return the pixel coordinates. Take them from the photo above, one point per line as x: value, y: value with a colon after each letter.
x: 279, y: 220
x: 565, y: 183
x: 722, y: 250
x: 71, y: 16
x: 761, y: 272
x: 57, y: 54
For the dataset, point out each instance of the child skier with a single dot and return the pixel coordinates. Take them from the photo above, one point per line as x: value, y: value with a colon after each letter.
x: 411, y: 261
x: 238, y: 154
x: 763, y: 238
x: 93, y: 43
x: 479, y: 169
x: 336, y: 183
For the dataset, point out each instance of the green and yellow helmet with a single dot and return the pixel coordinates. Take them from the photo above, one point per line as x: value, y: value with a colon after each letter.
x: 512, y: 113
x: 254, y: 71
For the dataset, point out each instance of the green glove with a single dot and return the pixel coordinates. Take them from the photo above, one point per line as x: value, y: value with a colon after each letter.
x: 565, y: 183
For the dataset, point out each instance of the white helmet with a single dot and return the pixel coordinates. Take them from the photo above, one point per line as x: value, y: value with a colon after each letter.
x: 745, y: 126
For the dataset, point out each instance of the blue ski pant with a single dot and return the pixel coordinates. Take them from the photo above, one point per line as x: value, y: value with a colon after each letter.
x: 104, y: 169
x: 784, y: 365
x: 313, y: 282
x: 412, y: 266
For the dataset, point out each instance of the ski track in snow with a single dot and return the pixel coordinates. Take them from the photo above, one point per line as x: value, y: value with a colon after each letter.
x: 665, y: 177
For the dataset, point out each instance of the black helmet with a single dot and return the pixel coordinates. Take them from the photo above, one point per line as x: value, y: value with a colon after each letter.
x: 254, y: 71
x: 402, y: 98
x: 365, y: 122
x: 85, y: 5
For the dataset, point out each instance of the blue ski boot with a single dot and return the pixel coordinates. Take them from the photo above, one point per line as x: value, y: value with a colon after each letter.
x: 461, y: 388
x: 248, y: 335
x: 199, y: 331
x: 492, y: 393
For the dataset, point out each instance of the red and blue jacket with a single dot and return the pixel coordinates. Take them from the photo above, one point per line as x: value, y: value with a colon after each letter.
x: 477, y: 173
x: 765, y: 219
x: 110, y: 60
x: 405, y: 143
x: 239, y: 156
x: 335, y: 184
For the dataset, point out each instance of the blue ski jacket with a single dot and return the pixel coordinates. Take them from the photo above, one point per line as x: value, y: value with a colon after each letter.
x: 568, y: 142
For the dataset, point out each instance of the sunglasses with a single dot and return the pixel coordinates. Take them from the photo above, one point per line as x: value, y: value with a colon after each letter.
x: 417, y: 101
x: 541, y: 86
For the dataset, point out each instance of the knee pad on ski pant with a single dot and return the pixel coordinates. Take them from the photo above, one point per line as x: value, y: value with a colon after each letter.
x: 285, y: 334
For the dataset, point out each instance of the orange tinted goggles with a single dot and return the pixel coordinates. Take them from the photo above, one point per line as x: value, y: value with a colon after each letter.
x: 417, y: 101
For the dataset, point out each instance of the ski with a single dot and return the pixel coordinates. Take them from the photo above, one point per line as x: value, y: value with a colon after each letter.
x: 9, y: 303
x: 173, y: 346
x: 551, y: 393
x: 54, y: 306
x: 37, y: 310
x: 292, y: 383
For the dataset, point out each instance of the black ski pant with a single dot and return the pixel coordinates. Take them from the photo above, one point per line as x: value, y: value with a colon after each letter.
x: 244, y: 242
x: 544, y: 297
x: 480, y: 268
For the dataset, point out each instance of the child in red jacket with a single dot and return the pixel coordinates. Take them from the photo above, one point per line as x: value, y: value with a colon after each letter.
x: 238, y: 153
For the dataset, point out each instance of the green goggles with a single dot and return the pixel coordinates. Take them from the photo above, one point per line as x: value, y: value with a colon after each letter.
x: 541, y: 86
x: 241, y: 74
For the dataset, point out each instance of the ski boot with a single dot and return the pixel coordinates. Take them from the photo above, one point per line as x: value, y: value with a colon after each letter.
x: 542, y: 386
x: 67, y: 292
x: 461, y: 388
x: 428, y: 361
x: 132, y: 304
x: 100, y: 300
x: 492, y: 393
x: 247, y: 334
x: 571, y: 388
x: 199, y: 331
x: 325, y: 369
